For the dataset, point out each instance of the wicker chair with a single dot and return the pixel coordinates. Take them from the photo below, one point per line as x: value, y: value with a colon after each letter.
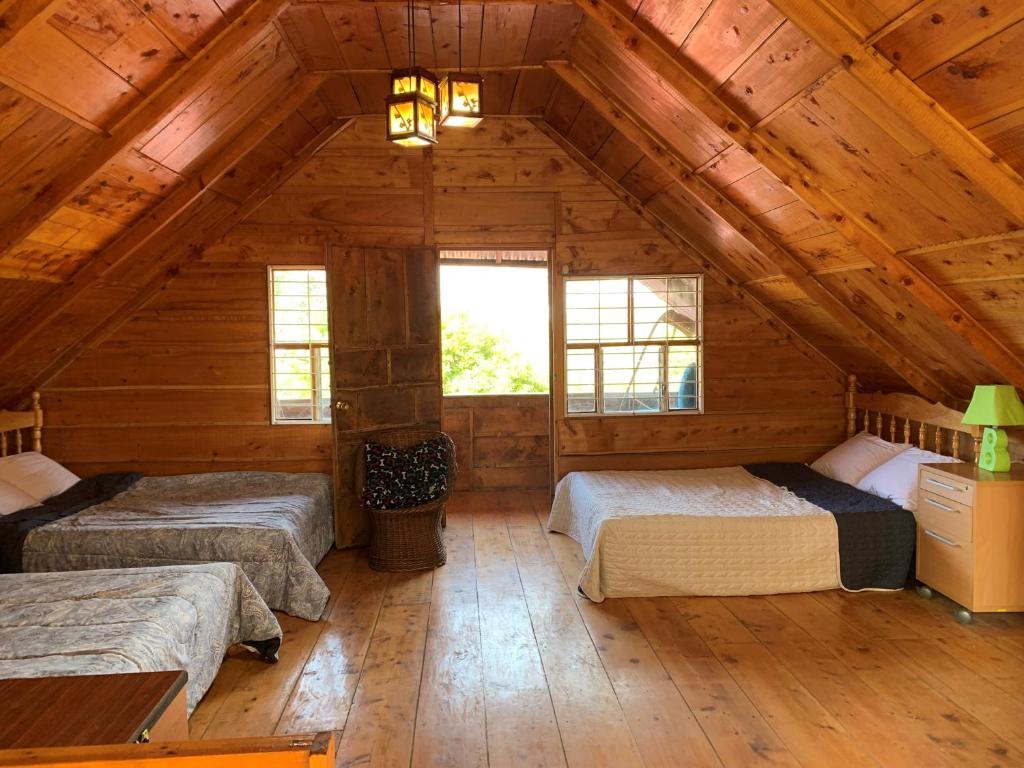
x: 408, y: 539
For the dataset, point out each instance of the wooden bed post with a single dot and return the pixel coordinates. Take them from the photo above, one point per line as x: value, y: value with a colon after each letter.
x: 37, y: 425
x: 851, y: 405
x: 976, y: 433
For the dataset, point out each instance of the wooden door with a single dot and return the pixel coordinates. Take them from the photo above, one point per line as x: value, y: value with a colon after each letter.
x: 385, y: 359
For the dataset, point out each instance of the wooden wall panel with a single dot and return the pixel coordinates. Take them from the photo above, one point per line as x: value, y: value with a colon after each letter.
x: 502, y: 440
x: 183, y: 386
x: 983, y: 83
x: 783, y: 66
x: 727, y: 34
x: 941, y: 29
x: 986, y: 279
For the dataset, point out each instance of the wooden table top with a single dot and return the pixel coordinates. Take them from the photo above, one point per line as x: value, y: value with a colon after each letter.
x: 970, y: 471
x: 83, y: 710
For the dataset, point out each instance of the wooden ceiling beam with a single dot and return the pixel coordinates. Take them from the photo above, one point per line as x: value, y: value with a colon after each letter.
x: 802, y: 178
x: 834, y: 34
x: 240, y: 35
x: 170, y: 260
x: 965, y: 243
x: 160, y: 217
x: 716, y: 207
x: 708, y: 264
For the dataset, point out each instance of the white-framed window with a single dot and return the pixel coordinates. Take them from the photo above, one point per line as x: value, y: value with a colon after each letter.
x: 300, y: 369
x: 633, y: 345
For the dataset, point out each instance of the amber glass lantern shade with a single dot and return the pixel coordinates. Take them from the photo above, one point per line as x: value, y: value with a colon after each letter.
x: 411, y: 120
x: 415, y: 80
x: 462, y: 96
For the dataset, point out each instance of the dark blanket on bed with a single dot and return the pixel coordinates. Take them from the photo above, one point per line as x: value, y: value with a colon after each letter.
x: 876, y: 537
x: 15, y: 527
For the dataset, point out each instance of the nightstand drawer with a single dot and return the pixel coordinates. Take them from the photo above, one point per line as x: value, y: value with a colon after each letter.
x: 947, y: 486
x: 944, y: 515
x: 945, y: 564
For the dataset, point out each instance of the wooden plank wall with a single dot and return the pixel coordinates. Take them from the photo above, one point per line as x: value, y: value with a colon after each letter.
x: 763, y: 400
x: 183, y: 386
x: 502, y: 440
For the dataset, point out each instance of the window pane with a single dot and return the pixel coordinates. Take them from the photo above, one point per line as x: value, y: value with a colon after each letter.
x: 631, y: 379
x: 597, y: 310
x: 665, y: 309
x: 580, y: 381
x: 298, y: 316
x: 289, y: 302
x: 684, y: 378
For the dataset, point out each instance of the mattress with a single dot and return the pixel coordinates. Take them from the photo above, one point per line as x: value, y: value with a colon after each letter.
x: 133, y: 620
x: 275, y: 526
x: 719, y: 531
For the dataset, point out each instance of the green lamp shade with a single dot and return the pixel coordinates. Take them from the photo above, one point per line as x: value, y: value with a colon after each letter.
x: 994, y: 406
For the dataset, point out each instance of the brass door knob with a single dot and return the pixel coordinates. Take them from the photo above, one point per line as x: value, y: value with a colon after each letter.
x: 343, y: 406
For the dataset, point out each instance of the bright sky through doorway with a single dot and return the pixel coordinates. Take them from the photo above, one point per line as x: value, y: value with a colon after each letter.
x: 508, y: 301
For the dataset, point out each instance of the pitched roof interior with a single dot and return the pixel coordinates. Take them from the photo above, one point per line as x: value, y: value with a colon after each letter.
x: 887, y: 243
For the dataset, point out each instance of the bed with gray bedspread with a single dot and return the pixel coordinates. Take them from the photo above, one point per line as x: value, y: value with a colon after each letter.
x: 276, y: 526
x: 134, y: 620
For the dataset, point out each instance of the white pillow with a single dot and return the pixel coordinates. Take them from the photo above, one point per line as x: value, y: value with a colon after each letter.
x: 11, y: 499
x: 896, y: 479
x: 36, y: 475
x: 848, y: 462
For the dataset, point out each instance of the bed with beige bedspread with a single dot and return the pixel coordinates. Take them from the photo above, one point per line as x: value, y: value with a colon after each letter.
x: 718, y: 531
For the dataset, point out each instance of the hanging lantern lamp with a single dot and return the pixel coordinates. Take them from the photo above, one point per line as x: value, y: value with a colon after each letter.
x: 462, y: 94
x: 412, y: 104
x: 462, y: 100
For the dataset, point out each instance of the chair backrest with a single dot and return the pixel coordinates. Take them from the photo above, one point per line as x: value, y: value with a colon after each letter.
x: 406, y: 438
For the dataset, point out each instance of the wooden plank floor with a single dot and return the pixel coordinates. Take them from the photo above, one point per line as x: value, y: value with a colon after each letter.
x: 493, y: 660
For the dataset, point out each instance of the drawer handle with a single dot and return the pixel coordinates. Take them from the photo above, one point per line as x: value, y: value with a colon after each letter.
x: 943, y: 539
x: 941, y: 484
x: 943, y: 507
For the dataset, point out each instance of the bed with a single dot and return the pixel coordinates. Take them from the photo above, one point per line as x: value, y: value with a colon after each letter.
x: 275, y: 526
x: 132, y: 620
x: 753, y: 529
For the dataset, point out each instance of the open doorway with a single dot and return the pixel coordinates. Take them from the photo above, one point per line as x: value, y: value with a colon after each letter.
x: 495, y: 361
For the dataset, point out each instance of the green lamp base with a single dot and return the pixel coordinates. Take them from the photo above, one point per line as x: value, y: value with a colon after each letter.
x: 994, y: 455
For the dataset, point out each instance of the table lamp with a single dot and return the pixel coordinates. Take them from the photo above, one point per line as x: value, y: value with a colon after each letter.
x: 994, y: 406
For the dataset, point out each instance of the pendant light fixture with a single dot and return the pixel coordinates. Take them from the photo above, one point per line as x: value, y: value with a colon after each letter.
x: 462, y: 94
x: 412, y: 104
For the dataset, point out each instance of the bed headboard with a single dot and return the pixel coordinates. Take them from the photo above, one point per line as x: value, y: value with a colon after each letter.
x: 901, y: 418
x: 13, y: 424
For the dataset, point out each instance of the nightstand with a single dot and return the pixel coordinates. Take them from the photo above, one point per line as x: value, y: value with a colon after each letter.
x: 970, y: 536
x: 93, y: 709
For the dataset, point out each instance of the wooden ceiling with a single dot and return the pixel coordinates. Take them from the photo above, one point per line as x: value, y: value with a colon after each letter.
x: 854, y: 166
